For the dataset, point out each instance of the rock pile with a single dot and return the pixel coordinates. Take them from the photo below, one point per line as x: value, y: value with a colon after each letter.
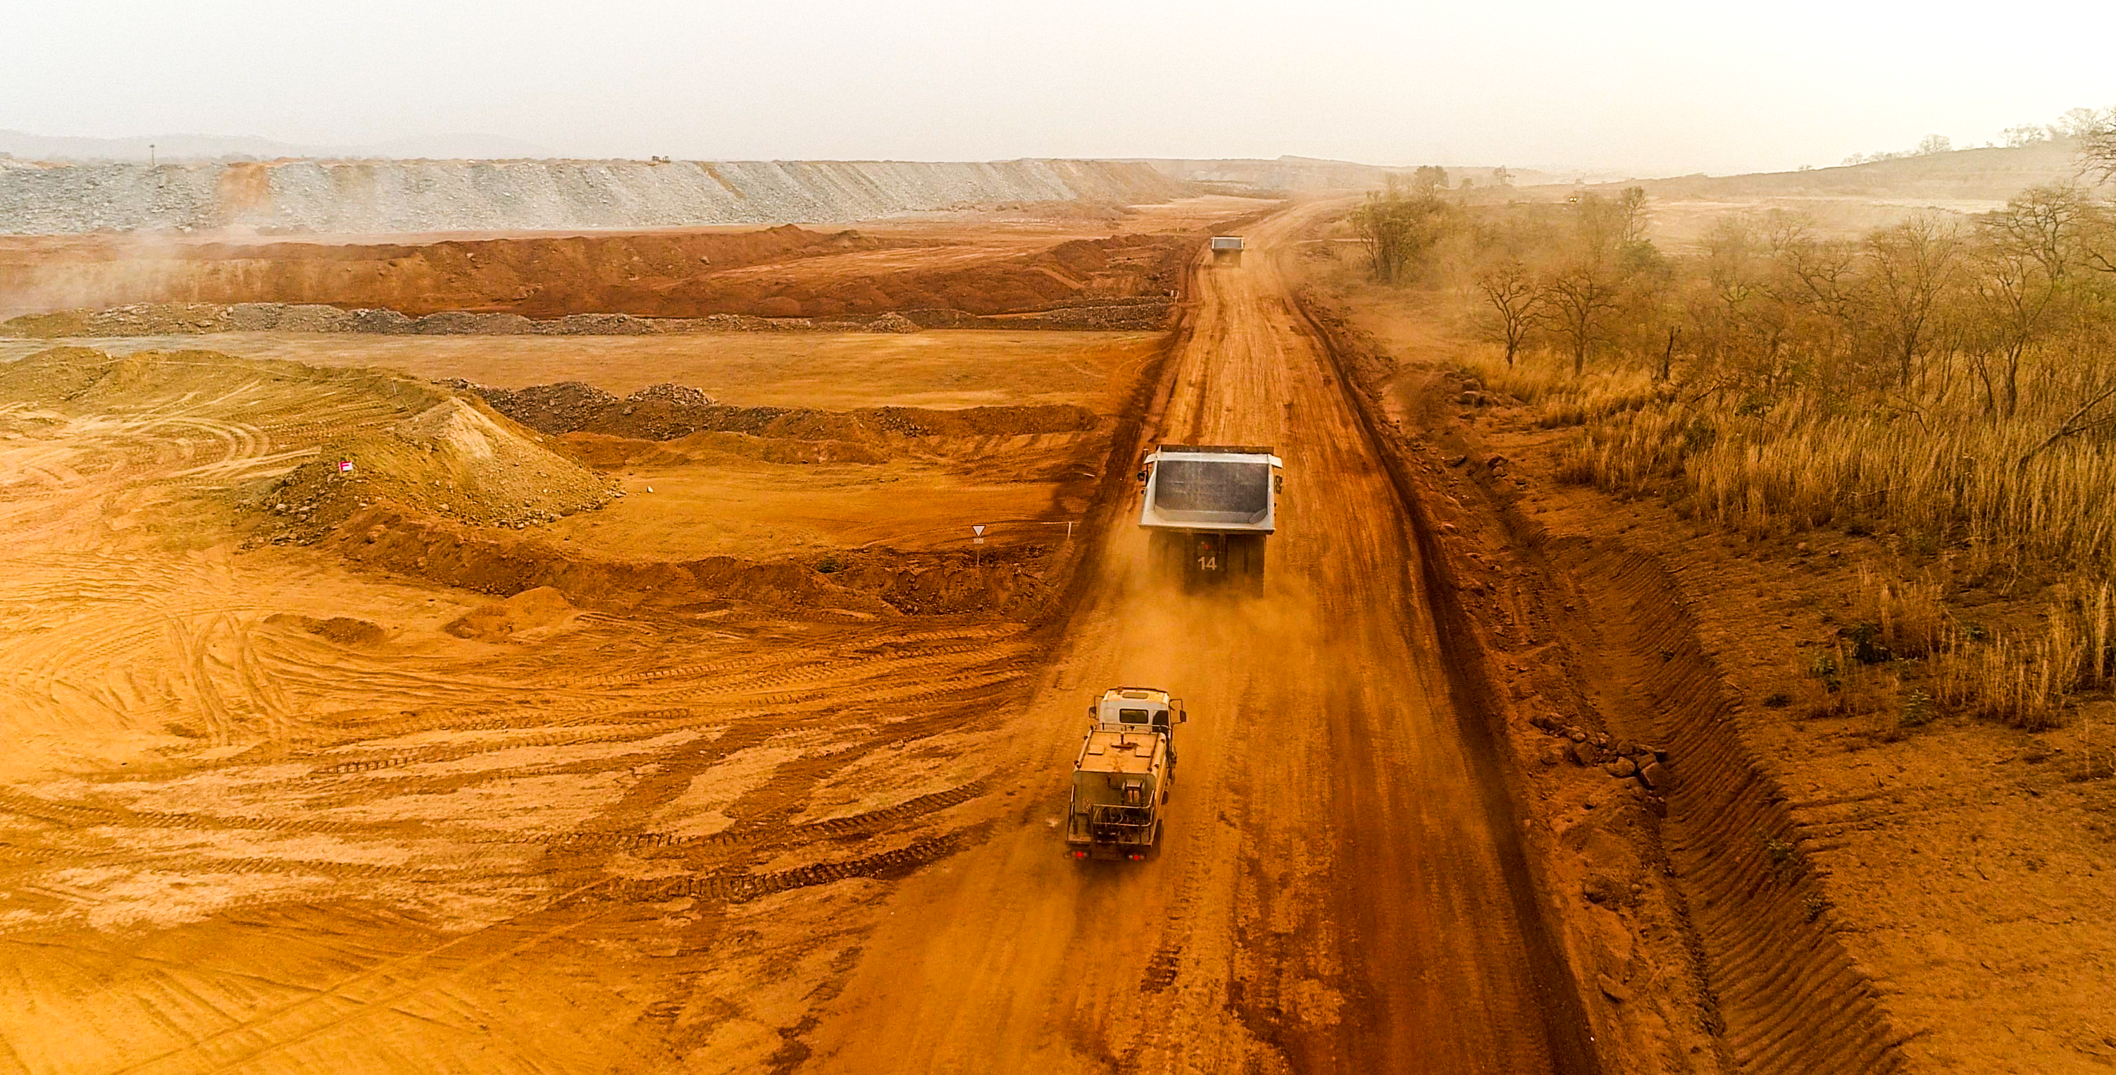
x: 1620, y: 758
x: 665, y: 412
x: 1146, y: 316
x: 669, y: 392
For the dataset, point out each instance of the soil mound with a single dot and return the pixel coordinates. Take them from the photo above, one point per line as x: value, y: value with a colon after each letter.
x: 456, y: 458
x: 418, y: 446
x: 54, y: 376
x: 863, y: 584
x: 534, y: 611
x: 777, y: 279
x: 82, y: 379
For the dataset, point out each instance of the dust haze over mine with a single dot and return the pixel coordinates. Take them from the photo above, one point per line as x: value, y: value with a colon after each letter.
x: 1166, y: 540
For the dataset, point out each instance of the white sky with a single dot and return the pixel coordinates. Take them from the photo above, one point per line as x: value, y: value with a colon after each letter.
x: 1647, y: 87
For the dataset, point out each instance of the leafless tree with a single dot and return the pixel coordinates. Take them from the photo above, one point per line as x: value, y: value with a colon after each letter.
x: 1911, y: 264
x: 1583, y: 287
x: 2097, y: 145
x: 1581, y: 294
x: 2045, y: 222
x: 1514, y: 298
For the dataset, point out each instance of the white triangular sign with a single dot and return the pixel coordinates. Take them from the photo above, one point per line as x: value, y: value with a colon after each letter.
x: 978, y: 529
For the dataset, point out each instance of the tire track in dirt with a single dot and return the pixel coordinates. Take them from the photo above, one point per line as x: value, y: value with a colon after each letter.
x: 294, y: 776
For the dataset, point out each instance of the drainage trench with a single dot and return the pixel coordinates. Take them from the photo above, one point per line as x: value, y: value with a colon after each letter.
x: 1788, y: 998
x: 1789, y: 995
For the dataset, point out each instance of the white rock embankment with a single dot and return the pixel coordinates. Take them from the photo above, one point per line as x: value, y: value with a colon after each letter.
x: 379, y: 196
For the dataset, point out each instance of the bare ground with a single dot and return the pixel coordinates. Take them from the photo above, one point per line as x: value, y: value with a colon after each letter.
x: 647, y: 788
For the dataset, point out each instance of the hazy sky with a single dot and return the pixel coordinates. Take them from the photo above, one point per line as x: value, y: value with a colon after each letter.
x: 1649, y: 87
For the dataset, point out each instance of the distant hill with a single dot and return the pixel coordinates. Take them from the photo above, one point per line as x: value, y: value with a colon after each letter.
x: 1964, y: 175
x: 1850, y: 199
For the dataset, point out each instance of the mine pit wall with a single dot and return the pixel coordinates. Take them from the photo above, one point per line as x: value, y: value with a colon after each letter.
x: 410, y: 196
x: 1786, y: 997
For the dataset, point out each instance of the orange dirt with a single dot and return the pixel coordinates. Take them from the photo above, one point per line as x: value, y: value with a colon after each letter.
x: 750, y: 773
x: 785, y: 271
x: 823, y: 370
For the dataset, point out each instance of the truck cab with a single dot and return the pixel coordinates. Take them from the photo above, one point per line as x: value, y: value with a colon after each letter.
x: 1137, y: 709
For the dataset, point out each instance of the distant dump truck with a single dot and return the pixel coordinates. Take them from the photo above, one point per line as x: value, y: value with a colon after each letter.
x: 1121, y: 778
x: 1208, y: 509
x: 1227, y: 250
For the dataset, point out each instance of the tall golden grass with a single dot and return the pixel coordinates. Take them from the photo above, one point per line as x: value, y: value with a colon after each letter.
x: 1921, y: 464
x: 2026, y: 681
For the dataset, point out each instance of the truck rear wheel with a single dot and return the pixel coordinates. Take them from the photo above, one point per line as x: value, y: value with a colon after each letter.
x: 1245, y: 562
x: 1165, y: 556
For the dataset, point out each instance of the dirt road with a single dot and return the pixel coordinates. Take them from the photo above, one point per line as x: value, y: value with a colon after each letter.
x: 1340, y: 889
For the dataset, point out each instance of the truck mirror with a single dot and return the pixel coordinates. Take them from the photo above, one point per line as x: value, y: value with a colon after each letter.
x: 1182, y: 716
x: 1278, y: 483
x: 1142, y: 474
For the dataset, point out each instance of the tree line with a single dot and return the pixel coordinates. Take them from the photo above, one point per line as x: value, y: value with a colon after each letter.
x: 1764, y: 302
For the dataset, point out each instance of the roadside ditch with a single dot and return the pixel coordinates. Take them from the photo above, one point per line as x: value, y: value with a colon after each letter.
x: 1685, y: 897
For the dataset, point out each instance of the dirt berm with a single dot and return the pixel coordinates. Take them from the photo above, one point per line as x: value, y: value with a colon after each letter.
x: 858, y: 584
x: 671, y: 411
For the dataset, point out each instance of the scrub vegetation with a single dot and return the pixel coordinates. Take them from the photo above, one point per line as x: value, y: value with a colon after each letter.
x: 1945, y: 383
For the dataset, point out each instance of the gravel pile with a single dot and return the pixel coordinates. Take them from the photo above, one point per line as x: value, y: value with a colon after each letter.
x: 546, y: 408
x: 384, y: 196
x: 669, y: 392
x: 892, y: 322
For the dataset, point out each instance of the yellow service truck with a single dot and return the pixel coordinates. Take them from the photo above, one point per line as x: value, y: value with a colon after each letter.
x: 1121, y: 778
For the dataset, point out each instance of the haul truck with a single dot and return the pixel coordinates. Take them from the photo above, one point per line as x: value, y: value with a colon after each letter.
x: 1208, y: 509
x: 1122, y: 776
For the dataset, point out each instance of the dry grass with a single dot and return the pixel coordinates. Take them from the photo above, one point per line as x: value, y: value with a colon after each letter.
x: 1943, y: 388
x: 1901, y: 618
x: 1545, y: 382
x: 1957, y: 484
x: 1949, y: 480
